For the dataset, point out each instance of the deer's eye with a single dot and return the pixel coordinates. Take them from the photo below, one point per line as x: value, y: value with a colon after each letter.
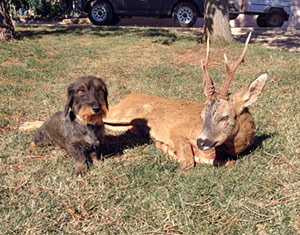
x: 224, y: 119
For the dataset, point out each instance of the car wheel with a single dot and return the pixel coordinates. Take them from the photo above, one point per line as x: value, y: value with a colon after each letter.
x: 185, y: 14
x: 275, y: 19
x: 261, y: 21
x: 100, y: 13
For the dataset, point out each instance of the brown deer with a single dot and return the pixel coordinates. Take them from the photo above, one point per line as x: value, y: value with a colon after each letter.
x: 192, y: 132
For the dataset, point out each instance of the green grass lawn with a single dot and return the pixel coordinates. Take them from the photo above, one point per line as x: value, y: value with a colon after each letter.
x: 139, y: 190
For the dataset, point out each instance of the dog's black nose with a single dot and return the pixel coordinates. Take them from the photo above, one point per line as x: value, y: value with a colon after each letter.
x: 96, y: 109
x: 205, y: 144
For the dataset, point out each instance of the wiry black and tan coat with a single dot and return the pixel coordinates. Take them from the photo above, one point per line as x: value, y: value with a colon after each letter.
x: 79, y: 128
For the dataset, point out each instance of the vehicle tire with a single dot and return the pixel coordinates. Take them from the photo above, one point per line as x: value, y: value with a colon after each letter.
x: 261, y: 21
x: 185, y: 14
x: 100, y: 13
x: 275, y: 19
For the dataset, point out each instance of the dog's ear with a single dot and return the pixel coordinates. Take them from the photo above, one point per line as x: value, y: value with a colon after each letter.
x: 69, y: 99
x: 105, y: 94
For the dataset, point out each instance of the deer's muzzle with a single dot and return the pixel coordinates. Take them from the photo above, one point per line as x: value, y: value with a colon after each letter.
x: 205, y: 144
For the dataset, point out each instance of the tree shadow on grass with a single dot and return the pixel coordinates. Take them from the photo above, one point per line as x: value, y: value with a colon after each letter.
x: 281, y: 38
x: 159, y: 35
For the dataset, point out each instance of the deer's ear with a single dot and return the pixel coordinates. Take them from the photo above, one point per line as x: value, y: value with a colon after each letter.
x: 249, y: 94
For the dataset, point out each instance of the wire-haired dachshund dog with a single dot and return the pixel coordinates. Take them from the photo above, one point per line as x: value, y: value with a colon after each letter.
x: 79, y: 129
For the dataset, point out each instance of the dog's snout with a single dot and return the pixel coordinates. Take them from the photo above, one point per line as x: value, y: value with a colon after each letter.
x: 205, y: 144
x: 96, y: 108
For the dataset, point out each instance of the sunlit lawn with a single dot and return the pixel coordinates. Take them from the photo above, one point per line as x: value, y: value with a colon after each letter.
x: 139, y: 190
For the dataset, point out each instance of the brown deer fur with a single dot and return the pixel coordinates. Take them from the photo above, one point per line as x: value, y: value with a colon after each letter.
x: 191, y: 132
x: 177, y: 124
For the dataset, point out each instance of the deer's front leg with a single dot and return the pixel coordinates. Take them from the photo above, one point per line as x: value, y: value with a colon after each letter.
x: 184, y: 152
x: 166, y: 149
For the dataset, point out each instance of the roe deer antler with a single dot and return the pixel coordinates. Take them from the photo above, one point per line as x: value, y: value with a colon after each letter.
x: 209, y: 85
x: 230, y: 71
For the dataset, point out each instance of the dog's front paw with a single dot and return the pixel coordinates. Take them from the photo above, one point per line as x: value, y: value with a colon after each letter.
x: 95, y: 159
x: 81, y: 168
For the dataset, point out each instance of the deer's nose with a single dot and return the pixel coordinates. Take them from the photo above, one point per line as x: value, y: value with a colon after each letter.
x: 205, y: 144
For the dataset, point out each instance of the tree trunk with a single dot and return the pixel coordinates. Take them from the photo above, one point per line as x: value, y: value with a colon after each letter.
x: 216, y: 20
x: 7, y: 30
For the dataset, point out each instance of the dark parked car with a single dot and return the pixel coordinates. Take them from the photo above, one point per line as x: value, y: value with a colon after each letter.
x: 109, y: 12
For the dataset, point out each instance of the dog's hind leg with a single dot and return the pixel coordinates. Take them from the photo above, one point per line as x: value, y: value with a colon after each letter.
x: 42, y: 137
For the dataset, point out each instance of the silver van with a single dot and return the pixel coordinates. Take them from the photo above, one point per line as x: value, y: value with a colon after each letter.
x: 271, y: 13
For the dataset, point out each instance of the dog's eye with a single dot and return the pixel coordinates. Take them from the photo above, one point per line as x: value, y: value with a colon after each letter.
x: 98, y: 89
x: 81, y: 91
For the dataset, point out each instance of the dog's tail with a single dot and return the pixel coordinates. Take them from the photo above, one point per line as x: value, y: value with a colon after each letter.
x: 30, y: 126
